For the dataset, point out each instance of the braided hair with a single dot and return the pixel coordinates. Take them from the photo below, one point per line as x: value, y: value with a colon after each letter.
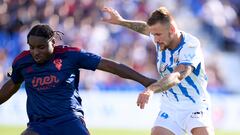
x: 43, y: 30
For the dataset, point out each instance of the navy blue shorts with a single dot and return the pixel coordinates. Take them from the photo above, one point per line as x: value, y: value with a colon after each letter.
x: 64, y: 125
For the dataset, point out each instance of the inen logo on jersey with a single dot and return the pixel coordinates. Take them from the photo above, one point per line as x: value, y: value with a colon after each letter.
x: 46, y: 82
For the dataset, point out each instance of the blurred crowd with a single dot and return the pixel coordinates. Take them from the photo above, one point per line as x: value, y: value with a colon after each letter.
x: 215, y: 22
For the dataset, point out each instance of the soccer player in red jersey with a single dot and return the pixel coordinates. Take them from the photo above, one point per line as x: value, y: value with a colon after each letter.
x: 51, y: 76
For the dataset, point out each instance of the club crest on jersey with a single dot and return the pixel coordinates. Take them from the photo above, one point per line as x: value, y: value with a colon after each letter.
x: 58, y: 63
x: 163, y: 67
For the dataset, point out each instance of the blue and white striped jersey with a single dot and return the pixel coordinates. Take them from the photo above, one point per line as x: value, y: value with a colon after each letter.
x: 193, y: 88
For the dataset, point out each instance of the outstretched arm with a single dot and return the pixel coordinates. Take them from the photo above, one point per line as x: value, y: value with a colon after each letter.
x: 123, y: 71
x: 179, y: 73
x: 7, y: 90
x: 116, y: 18
x: 172, y: 79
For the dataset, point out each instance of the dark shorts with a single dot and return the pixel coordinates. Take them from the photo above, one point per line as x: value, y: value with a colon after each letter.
x: 64, y: 125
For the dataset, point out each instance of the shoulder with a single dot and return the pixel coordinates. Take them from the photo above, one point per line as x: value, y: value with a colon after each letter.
x: 190, y: 40
x: 65, y: 49
x: 21, y: 57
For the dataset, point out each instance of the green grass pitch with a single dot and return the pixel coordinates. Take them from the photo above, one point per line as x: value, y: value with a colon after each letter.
x: 14, y: 130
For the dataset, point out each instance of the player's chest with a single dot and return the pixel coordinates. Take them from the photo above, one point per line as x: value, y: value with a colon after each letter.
x: 167, y: 61
x: 57, y: 65
x: 49, y: 75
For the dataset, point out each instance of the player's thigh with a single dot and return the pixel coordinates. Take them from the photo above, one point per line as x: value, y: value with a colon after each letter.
x: 29, y: 132
x: 202, y: 131
x: 72, y: 127
x: 166, y: 124
x: 199, y: 123
x: 161, y: 131
x: 36, y: 129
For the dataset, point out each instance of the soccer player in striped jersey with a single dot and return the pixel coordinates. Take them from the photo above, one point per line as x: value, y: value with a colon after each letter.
x: 51, y: 76
x: 185, y: 104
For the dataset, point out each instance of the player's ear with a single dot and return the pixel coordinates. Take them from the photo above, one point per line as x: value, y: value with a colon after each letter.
x: 172, y: 29
x: 53, y: 41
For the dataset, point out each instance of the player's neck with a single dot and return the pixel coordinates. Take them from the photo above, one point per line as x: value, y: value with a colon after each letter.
x: 176, y: 40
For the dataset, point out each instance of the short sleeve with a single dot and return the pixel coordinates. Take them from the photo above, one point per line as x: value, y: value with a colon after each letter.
x: 190, y: 54
x: 86, y: 60
x: 16, y: 75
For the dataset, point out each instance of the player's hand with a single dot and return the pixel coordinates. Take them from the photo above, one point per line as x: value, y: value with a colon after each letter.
x: 143, y: 98
x: 114, y: 16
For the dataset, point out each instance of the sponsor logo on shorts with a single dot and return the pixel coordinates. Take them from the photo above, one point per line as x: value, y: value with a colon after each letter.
x: 197, y: 114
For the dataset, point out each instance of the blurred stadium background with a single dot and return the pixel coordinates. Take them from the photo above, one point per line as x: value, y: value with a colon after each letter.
x: 109, y: 101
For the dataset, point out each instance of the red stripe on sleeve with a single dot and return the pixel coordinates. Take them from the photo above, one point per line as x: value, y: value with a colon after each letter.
x: 62, y: 49
x: 20, y: 56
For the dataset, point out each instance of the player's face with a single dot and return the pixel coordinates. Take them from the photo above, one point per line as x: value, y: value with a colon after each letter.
x: 41, y: 48
x: 162, y: 35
